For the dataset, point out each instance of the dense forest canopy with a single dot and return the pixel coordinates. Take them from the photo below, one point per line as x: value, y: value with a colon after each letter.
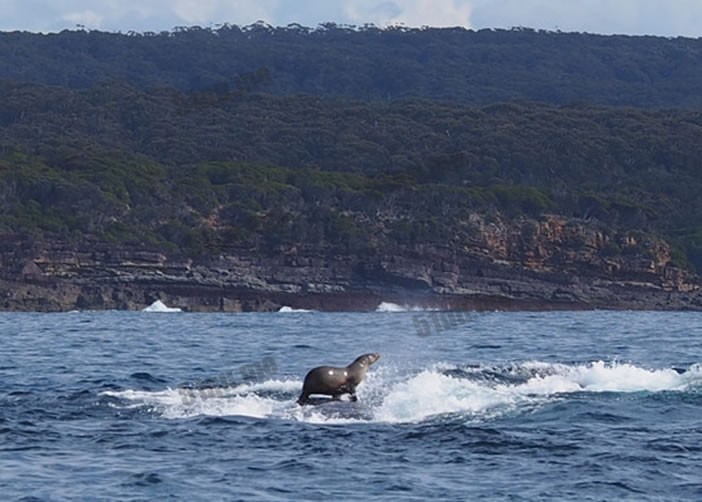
x: 371, y: 64
x: 349, y: 140
x: 208, y: 171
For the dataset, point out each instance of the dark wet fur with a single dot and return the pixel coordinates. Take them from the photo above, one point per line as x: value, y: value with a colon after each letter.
x: 331, y: 381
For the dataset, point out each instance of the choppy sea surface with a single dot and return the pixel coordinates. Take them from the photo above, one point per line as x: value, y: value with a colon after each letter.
x: 497, y: 406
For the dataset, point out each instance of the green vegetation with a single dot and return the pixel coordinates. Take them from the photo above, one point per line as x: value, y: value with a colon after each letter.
x: 149, y: 140
x: 369, y: 64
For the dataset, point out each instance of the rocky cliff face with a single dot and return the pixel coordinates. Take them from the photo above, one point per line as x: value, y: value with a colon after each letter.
x: 552, y: 262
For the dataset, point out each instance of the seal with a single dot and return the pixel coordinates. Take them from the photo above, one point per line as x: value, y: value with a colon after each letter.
x: 333, y: 381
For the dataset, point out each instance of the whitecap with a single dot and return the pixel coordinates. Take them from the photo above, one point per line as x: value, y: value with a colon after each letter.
x: 394, y: 307
x: 390, y: 395
x: 432, y: 392
x: 250, y: 400
x: 287, y: 310
x: 159, y: 306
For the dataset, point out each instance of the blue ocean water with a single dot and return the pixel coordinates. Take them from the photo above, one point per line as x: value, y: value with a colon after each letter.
x: 500, y: 406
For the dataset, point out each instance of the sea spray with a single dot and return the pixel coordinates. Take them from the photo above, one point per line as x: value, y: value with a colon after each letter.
x: 390, y: 396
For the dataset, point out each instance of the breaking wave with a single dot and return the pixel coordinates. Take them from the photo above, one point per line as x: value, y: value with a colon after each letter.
x: 389, y: 396
x: 159, y: 306
x: 288, y: 310
x: 394, y: 307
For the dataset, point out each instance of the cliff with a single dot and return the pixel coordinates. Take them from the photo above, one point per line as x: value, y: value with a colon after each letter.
x: 547, y: 263
x: 228, y: 199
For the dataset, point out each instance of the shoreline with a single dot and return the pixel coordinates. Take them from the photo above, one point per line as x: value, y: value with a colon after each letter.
x: 62, y: 279
x: 65, y: 296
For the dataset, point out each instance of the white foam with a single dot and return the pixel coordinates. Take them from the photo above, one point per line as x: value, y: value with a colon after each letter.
x: 393, y: 397
x: 287, y: 310
x: 433, y: 393
x: 247, y: 406
x: 430, y: 393
x: 159, y: 306
x: 241, y: 400
x: 613, y: 377
x: 394, y: 307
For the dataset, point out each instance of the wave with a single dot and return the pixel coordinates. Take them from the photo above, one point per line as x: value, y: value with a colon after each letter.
x: 257, y: 400
x: 287, y: 310
x: 159, y: 306
x: 391, y: 396
x: 394, y: 307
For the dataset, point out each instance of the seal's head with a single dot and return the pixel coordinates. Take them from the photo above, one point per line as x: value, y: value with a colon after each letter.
x: 366, y: 360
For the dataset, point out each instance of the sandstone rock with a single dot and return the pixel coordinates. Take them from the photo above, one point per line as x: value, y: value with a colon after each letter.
x: 553, y: 262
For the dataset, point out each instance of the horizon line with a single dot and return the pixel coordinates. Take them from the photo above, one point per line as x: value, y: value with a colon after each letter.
x: 331, y: 25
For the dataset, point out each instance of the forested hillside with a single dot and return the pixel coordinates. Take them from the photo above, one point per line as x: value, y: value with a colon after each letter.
x: 253, y: 162
x: 371, y: 64
x: 220, y: 170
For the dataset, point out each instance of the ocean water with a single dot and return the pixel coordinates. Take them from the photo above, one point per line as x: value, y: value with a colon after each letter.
x: 496, y: 406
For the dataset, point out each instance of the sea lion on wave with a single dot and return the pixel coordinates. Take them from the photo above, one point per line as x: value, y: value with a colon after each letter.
x: 333, y: 381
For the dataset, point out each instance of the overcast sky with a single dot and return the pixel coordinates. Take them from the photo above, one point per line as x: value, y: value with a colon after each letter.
x: 654, y: 17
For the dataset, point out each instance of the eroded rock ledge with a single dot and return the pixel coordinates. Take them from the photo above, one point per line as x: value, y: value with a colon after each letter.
x: 550, y: 263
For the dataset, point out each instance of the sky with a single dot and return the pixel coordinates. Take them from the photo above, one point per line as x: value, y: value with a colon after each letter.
x: 633, y: 17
